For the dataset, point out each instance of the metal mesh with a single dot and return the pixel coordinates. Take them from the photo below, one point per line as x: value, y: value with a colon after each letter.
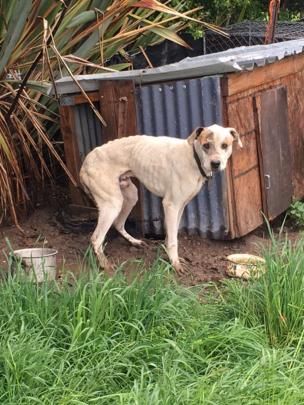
x: 249, y: 33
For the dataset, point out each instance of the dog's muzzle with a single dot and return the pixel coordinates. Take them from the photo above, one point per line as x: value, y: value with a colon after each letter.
x: 215, y: 165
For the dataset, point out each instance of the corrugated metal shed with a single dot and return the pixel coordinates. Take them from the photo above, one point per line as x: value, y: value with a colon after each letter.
x: 175, y: 109
x: 233, y: 60
x: 173, y: 100
x: 88, y: 129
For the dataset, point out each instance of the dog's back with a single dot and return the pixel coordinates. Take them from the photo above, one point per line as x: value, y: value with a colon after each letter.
x: 124, y: 154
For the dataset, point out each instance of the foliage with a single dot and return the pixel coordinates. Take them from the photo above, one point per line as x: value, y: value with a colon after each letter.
x: 296, y: 212
x: 225, y: 12
x: 92, y: 30
x: 292, y: 5
x: 150, y: 341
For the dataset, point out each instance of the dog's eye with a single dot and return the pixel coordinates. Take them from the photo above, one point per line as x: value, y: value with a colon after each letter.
x: 206, y: 145
x: 224, y: 146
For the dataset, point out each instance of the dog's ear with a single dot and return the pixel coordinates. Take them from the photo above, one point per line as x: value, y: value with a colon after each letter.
x: 195, y: 134
x: 236, y: 136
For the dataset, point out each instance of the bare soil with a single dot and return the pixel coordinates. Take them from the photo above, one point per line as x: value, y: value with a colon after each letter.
x: 205, y: 259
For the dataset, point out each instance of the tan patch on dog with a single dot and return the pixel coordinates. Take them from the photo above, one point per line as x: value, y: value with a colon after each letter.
x: 200, y: 134
x: 205, y: 136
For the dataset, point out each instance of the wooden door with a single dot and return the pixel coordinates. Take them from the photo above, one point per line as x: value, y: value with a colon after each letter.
x: 274, y: 151
x: 243, y: 173
x: 259, y: 176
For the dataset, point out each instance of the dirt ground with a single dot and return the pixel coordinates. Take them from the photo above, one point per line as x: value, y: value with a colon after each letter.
x: 205, y: 259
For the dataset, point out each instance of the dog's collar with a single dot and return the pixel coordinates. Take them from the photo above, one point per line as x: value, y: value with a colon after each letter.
x: 199, y: 165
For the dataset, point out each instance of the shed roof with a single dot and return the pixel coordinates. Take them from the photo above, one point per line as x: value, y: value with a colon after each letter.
x: 232, y: 60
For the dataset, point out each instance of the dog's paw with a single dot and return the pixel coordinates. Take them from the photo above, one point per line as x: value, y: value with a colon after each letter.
x: 104, y: 263
x: 181, y: 267
x: 139, y: 243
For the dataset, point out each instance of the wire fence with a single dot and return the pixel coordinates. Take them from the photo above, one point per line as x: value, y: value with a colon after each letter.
x: 249, y: 33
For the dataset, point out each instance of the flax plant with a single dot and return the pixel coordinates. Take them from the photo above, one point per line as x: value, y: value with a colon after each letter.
x: 90, y: 33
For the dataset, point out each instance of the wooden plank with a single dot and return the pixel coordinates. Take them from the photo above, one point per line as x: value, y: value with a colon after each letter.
x: 247, y: 157
x: 241, y: 115
x: 229, y: 197
x: 248, y: 202
x: 230, y: 203
x: 275, y: 151
x: 118, y: 108
x: 108, y: 109
x: 244, y: 189
x: 242, y: 162
x: 67, y: 125
x: 253, y: 91
x: 81, y: 99
x: 295, y: 97
x: 256, y: 104
x: 239, y: 82
x: 78, y: 99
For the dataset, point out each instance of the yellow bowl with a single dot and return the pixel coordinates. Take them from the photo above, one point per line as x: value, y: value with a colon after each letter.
x: 244, y: 265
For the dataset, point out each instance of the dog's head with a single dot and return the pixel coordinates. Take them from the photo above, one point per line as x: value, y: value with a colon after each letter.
x: 214, y: 146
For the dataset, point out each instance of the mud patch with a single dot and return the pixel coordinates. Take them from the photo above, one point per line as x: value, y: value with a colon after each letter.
x: 205, y: 259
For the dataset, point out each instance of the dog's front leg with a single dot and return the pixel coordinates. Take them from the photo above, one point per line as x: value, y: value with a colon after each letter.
x: 172, y: 216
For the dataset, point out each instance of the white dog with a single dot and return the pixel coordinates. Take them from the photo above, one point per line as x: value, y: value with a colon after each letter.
x: 174, y: 169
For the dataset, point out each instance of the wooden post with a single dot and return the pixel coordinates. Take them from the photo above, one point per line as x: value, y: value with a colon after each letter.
x: 274, y: 9
x: 67, y: 124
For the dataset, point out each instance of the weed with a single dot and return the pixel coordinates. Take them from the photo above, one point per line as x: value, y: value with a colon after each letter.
x: 296, y: 213
x: 149, y: 342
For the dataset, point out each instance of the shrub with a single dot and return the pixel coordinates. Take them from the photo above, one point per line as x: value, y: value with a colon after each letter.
x: 296, y: 213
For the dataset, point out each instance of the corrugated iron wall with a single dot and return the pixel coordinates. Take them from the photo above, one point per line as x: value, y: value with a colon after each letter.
x: 175, y: 109
x: 172, y: 109
x: 88, y: 129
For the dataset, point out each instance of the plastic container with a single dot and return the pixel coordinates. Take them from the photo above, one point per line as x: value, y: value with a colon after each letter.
x: 243, y: 265
x: 38, y: 263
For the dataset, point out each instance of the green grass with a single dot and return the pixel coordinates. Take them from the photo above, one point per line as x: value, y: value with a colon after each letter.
x: 151, y: 341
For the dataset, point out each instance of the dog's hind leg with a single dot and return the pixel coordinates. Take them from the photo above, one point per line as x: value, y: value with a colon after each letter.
x: 130, y: 198
x: 108, y: 212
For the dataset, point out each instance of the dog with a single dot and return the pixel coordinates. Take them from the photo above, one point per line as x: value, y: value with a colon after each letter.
x: 171, y: 168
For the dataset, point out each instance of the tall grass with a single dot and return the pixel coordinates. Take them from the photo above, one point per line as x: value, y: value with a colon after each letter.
x: 150, y: 341
x: 276, y: 300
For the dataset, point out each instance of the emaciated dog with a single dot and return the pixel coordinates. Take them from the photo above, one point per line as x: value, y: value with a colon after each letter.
x: 173, y: 169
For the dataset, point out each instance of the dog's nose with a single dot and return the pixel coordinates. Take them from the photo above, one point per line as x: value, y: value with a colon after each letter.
x: 215, y: 164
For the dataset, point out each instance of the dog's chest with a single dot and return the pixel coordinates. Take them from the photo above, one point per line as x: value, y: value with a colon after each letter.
x: 154, y: 177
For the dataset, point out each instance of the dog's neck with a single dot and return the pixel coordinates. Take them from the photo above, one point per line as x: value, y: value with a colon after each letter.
x: 199, y: 165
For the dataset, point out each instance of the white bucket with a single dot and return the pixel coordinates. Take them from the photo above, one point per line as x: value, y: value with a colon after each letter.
x: 39, y: 263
